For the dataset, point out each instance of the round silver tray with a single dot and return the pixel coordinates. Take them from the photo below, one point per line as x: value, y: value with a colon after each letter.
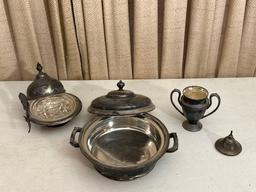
x: 54, y: 109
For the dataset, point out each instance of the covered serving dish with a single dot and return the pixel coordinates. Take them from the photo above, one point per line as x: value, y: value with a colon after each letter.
x: 47, y: 102
x: 122, y: 140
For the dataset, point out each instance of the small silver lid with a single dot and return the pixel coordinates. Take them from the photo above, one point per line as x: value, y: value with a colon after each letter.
x: 121, y: 102
x: 228, y: 145
x: 43, y: 85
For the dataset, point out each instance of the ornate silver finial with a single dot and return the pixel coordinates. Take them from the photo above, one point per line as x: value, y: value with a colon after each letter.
x: 120, y: 85
x: 39, y: 67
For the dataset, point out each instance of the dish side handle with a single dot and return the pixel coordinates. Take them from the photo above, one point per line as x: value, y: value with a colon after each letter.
x: 175, y: 143
x: 25, y: 104
x: 73, y: 136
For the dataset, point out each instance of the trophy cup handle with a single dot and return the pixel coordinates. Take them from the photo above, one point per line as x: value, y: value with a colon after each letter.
x: 171, y: 96
x: 211, y: 96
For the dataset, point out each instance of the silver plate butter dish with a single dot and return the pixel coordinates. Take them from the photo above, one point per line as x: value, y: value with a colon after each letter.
x: 47, y: 103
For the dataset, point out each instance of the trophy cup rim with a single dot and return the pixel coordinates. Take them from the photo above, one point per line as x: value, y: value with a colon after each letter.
x: 195, y: 93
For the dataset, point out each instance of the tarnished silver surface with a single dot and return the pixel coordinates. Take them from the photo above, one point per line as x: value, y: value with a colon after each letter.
x: 55, y: 108
x: 123, y: 141
x: 194, y: 102
x: 43, y: 85
x: 121, y: 102
x: 228, y: 145
x: 47, y: 103
x: 124, y: 147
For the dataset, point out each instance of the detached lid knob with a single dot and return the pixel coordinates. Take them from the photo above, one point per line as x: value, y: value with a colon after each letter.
x: 228, y: 145
x: 120, y: 85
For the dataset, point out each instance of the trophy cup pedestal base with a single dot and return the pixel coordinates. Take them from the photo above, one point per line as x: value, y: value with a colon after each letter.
x: 192, y: 127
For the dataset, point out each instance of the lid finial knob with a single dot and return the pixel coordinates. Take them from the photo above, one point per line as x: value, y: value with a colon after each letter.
x: 39, y: 67
x: 120, y: 85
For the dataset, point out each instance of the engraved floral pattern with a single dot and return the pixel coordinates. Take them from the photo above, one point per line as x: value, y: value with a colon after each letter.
x: 53, y: 108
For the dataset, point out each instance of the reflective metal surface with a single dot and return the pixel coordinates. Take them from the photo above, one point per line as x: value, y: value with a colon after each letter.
x: 121, y: 102
x: 114, y: 149
x: 54, y: 109
x: 43, y: 85
x: 124, y: 147
x: 124, y: 141
x: 47, y: 103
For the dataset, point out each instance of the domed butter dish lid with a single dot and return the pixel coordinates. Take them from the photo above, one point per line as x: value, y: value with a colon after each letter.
x: 47, y: 103
x: 121, y: 102
x: 228, y: 145
x: 43, y: 85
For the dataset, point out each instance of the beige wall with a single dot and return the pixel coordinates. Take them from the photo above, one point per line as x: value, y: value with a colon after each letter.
x: 121, y: 39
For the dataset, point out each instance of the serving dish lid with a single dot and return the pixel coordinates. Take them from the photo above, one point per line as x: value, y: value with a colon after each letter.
x: 121, y: 102
x: 43, y: 85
